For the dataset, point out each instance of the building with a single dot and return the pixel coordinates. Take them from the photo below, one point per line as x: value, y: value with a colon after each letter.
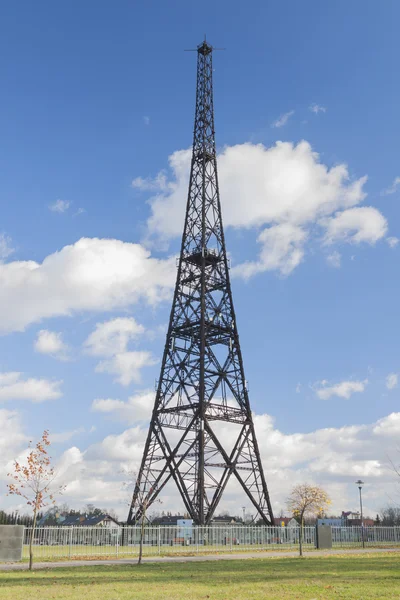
x: 172, y: 521
x: 348, y: 519
x: 224, y: 521
x: 334, y: 522
x: 285, y: 522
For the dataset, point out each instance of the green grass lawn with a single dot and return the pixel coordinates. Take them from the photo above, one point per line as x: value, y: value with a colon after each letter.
x: 357, y: 577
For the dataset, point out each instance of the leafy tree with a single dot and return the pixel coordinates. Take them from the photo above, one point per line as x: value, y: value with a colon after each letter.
x: 34, y: 481
x: 306, y: 500
x: 390, y: 516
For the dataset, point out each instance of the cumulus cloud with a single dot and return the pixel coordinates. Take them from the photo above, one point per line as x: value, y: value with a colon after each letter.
x: 355, y: 225
x: 110, y: 339
x: 59, y: 206
x: 282, y: 248
x: 127, y: 366
x: 14, y: 387
x: 332, y: 457
x: 391, y: 381
x: 50, y: 342
x: 344, y: 389
x: 284, y: 193
x: 137, y: 408
x: 90, y: 275
x: 283, y: 119
x: 388, y: 426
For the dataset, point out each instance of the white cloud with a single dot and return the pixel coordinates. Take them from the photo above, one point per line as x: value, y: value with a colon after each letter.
x: 344, y: 389
x: 333, y: 458
x: 282, y: 248
x: 259, y: 186
x: 334, y: 259
x: 388, y: 426
x: 111, y: 337
x: 317, y: 108
x: 59, y: 206
x: 393, y: 188
x: 355, y: 225
x: 127, y: 366
x: 137, y: 408
x: 12, y: 439
x: 14, y: 387
x: 146, y: 120
x: 298, y: 388
x: 283, y: 192
x: 50, y: 342
x: 391, y: 381
x: 5, y: 246
x: 158, y: 183
x: 392, y: 241
x: 283, y: 119
x: 90, y: 275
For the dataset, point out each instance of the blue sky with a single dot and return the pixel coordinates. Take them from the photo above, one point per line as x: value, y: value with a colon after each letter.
x: 98, y: 96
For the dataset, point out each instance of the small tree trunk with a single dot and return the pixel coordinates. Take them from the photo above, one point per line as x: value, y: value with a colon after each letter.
x: 141, y: 540
x: 301, y: 536
x: 32, y: 537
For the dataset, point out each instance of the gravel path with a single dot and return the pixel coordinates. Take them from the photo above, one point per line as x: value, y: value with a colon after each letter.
x: 201, y: 558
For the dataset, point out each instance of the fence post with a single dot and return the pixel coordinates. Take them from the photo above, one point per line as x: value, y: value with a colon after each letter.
x: 159, y: 539
x: 117, y: 543
x: 70, y: 542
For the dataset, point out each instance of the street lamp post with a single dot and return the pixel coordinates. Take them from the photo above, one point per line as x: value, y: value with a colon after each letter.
x: 244, y: 510
x: 360, y: 484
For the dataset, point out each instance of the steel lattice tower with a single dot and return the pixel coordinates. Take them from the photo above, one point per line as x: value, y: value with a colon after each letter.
x: 202, y: 387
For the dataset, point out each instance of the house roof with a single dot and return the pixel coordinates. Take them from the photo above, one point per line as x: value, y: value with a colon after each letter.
x: 286, y: 520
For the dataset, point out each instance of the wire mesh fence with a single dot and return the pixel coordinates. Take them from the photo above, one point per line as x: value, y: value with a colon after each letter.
x: 74, y: 542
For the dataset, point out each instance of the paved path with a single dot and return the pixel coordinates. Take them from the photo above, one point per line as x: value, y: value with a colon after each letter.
x: 200, y: 558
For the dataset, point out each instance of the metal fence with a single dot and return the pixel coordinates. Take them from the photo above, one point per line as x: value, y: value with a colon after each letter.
x: 74, y: 542
x: 351, y: 537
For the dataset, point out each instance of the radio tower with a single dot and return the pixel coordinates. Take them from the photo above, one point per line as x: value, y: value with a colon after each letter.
x: 202, y: 392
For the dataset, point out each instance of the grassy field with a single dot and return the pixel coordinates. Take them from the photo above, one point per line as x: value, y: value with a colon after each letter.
x: 356, y: 577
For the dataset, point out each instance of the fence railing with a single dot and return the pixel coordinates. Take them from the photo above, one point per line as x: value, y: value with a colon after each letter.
x: 350, y: 537
x: 72, y: 542
x: 79, y: 541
